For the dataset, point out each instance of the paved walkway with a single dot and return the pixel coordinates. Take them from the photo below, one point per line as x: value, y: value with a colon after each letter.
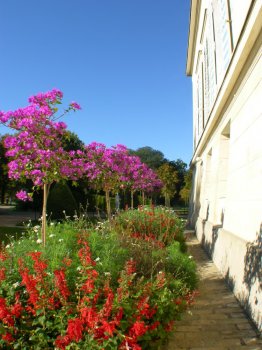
x: 217, y: 321
x: 10, y: 217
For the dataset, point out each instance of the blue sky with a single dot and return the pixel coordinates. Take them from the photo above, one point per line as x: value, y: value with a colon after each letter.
x: 123, y: 61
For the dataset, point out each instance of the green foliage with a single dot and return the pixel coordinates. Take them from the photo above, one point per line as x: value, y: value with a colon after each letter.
x: 186, y: 189
x: 151, y: 157
x: 181, y: 169
x: 61, y: 202
x: 124, y: 280
x: 182, y: 266
x: 160, y: 222
x: 6, y: 232
x: 71, y: 142
x: 108, y: 251
x: 168, y: 176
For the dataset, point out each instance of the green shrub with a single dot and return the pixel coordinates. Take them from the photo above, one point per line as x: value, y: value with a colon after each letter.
x: 159, y: 222
x: 182, y: 266
x: 61, y: 202
x: 91, y: 289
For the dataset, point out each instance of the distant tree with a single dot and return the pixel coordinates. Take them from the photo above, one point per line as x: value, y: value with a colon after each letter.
x: 186, y: 189
x: 168, y: 176
x: 181, y: 169
x: 151, y: 157
x: 71, y: 141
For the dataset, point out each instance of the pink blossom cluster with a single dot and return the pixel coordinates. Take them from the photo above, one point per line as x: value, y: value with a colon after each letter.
x: 36, y: 152
x: 116, y: 169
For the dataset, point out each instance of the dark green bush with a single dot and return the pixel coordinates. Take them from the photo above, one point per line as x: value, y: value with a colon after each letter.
x: 61, y: 202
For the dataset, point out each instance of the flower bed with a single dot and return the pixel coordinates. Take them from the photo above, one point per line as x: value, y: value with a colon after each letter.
x: 92, y: 289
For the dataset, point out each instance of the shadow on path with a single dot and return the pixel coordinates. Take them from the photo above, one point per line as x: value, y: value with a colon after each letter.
x: 10, y: 217
x: 217, y: 321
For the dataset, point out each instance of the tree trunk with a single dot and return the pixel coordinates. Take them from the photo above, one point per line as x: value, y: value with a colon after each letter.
x: 43, y: 231
x: 167, y: 200
x: 132, y: 199
x: 108, y: 205
x: 143, y: 198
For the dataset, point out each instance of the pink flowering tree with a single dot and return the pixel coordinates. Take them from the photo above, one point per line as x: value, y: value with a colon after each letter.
x: 109, y: 174
x: 36, y: 150
x: 132, y: 172
x: 145, y: 181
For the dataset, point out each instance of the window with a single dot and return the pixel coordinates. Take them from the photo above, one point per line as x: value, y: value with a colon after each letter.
x: 222, y: 26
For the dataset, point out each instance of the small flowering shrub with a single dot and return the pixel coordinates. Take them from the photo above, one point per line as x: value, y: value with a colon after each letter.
x: 152, y: 223
x: 90, y: 289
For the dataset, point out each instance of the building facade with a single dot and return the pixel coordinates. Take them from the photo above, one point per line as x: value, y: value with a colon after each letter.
x: 224, y: 61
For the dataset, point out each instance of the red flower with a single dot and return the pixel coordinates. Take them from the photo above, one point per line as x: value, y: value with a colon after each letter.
x: 130, y: 267
x: 161, y: 279
x: 144, y: 308
x: 62, y: 341
x: 89, y: 316
x: 75, y: 329
x: 154, y: 325
x: 7, y: 337
x: 139, y: 328
x: 3, y: 256
x: 106, y: 311
x: 60, y: 283
x: 2, y: 274
x: 5, y: 314
x: 85, y: 254
x: 30, y: 283
x: 88, y: 286
x: 169, y: 326
x: 67, y: 261
x: 16, y: 310
x: 129, y: 344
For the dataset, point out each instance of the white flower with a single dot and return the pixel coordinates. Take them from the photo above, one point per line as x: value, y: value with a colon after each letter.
x: 39, y: 241
x: 97, y: 259
x: 36, y: 228
x: 52, y: 235
x: 52, y: 223
x: 79, y: 268
x: 16, y: 284
x: 7, y: 246
x: 190, y: 257
x: 107, y: 273
x: 60, y: 240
